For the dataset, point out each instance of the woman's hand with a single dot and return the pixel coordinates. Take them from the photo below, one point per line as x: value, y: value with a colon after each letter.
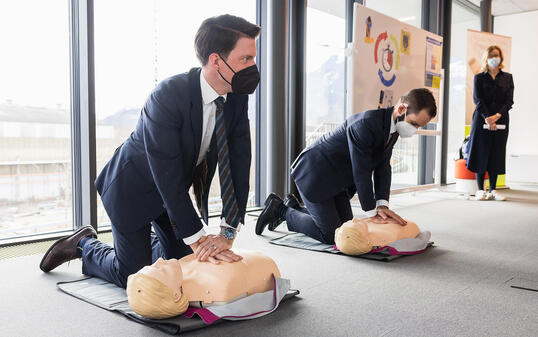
x: 492, y: 127
x: 493, y: 119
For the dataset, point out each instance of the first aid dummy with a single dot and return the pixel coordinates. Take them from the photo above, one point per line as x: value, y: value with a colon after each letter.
x: 359, y: 236
x: 167, y: 287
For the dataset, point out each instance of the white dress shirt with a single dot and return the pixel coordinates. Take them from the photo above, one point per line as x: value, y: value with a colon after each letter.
x: 209, y: 109
x: 383, y: 202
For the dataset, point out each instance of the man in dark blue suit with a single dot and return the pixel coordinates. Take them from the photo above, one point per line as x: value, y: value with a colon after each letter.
x: 339, y: 164
x: 190, y: 123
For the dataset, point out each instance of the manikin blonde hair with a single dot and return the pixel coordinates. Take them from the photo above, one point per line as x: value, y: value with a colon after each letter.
x: 485, y: 58
x: 352, y: 241
x: 150, y: 298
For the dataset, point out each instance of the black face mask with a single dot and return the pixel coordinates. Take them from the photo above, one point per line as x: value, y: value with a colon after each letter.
x: 245, y: 81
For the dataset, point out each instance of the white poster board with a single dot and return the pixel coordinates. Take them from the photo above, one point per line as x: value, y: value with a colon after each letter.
x: 389, y: 58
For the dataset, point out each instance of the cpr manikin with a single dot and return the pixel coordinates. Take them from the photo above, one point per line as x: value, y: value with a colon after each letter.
x: 176, y: 284
x: 155, y: 291
x: 359, y: 236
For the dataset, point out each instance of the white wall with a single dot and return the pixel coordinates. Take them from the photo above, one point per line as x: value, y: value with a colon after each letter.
x: 522, y: 150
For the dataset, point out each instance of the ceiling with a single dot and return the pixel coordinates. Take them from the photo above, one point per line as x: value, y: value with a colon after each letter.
x: 506, y: 7
x: 336, y: 8
x: 498, y: 7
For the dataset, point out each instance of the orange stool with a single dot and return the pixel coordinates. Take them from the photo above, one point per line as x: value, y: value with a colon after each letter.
x: 465, y: 179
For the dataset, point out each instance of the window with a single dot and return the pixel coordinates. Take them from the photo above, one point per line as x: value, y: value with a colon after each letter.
x: 35, y: 123
x: 134, y: 52
x: 405, y: 162
x: 325, y: 67
x: 408, y: 11
x: 462, y: 19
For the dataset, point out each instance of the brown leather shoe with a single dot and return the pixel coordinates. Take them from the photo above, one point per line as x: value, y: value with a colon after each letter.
x: 65, y: 249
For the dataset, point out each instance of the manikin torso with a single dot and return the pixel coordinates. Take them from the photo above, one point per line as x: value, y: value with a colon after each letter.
x: 364, y: 234
x: 209, y: 283
x: 205, y: 283
x: 382, y: 233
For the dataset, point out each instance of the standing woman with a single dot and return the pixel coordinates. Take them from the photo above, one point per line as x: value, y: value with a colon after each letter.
x: 493, y: 96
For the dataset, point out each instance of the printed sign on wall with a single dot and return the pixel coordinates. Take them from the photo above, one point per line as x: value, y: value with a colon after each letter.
x: 391, y: 57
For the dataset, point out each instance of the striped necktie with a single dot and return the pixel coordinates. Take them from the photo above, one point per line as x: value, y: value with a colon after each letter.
x: 230, y: 211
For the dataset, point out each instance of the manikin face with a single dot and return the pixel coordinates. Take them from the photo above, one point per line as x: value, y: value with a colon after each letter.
x: 168, y: 272
x: 352, y: 237
x: 360, y: 224
x: 358, y: 234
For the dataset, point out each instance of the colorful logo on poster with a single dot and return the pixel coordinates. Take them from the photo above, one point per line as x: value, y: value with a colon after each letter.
x: 367, y: 38
x: 385, y: 57
x: 405, y: 42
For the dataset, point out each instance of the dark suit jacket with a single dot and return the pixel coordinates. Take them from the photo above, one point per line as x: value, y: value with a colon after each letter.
x: 155, y: 167
x: 346, y: 158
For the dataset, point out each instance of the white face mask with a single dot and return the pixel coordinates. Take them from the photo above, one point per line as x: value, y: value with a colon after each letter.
x: 494, y: 62
x: 404, y: 128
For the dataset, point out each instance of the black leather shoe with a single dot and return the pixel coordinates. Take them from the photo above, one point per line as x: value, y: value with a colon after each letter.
x: 65, y: 249
x: 273, y: 225
x: 292, y: 201
x: 270, y: 213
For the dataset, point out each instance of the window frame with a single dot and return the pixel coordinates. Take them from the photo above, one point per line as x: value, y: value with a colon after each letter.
x: 83, y: 125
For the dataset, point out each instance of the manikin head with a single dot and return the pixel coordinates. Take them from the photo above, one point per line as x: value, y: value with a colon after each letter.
x: 155, y: 291
x: 359, y: 236
x: 165, y: 288
x: 352, y: 237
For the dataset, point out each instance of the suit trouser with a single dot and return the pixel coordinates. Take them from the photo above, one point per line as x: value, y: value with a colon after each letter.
x: 132, y: 251
x: 322, y: 218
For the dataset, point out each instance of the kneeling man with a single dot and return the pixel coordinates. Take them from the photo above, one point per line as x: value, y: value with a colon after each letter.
x: 341, y: 163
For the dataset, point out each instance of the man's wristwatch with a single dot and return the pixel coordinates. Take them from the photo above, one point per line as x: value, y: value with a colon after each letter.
x: 229, y: 233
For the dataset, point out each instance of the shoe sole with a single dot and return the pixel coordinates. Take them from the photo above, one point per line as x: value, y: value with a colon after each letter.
x: 78, y: 231
x: 260, y: 228
x: 258, y: 231
x: 272, y: 227
x: 266, y: 203
x: 493, y: 199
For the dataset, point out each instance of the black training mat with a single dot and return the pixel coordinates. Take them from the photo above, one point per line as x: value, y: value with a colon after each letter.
x: 113, y: 298
x: 301, y: 241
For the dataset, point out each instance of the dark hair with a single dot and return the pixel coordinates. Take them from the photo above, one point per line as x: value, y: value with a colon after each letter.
x: 219, y: 34
x: 419, y: 99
